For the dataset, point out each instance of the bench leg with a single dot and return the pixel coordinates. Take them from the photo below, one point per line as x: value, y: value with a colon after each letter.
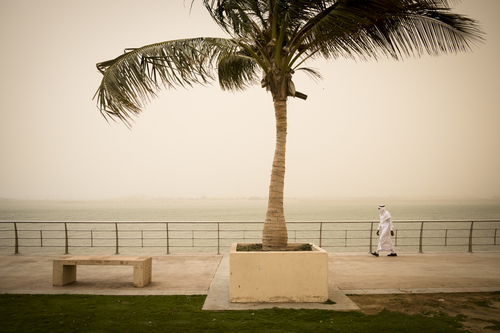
x: 63, y: 274
x: 142, y: 273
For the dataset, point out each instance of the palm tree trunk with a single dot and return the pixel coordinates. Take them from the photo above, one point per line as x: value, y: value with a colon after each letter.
x: 274, y: 235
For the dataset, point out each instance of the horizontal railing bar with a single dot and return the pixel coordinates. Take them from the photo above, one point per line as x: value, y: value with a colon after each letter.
x: 249, y: 222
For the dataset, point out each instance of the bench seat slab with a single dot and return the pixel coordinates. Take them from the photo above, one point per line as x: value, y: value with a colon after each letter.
x: 64, y: 269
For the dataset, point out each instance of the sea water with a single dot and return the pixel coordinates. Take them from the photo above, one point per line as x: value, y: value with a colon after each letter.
x: 243, y: 210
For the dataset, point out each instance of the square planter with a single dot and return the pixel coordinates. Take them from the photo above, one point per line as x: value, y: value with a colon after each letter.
x: 278, y: 276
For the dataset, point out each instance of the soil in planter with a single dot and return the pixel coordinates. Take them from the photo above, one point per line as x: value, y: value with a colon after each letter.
x: 258, y: 247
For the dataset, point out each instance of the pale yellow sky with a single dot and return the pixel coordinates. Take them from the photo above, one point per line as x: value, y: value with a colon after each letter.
x: 427, y: 127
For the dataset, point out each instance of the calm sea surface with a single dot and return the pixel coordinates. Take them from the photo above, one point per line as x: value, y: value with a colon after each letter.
x: 351, y: 236
x: 241, y: 210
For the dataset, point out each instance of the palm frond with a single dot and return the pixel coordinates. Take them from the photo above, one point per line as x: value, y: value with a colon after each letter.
x: 239, y: 17
x: 394, y: 28
x: 313, y: 73
x: 237, y: 72
x: 135, y: 77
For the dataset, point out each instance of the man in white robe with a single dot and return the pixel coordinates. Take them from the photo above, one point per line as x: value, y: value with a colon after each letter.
x: 385, y: 230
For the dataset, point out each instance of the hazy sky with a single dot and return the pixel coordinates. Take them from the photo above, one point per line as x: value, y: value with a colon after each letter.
x: 421, y: 127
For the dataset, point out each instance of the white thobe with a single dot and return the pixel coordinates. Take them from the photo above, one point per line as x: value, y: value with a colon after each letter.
x: 385, y: 227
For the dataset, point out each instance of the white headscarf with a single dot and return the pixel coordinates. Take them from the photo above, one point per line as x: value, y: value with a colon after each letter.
x: 384, y: 214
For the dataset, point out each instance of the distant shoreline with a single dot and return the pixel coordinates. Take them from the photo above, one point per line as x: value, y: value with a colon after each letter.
x: 323, y: 200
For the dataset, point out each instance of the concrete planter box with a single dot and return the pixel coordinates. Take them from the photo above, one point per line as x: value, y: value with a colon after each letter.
x: 278, y: 276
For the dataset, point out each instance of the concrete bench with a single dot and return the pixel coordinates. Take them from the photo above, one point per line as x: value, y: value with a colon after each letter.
x: 64, y: 269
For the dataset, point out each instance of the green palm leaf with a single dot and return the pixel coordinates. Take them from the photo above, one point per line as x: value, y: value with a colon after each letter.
x: 237, y: 72
x: 135, y: 77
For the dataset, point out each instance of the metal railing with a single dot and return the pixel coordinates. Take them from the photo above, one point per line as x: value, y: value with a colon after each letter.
x: 217, y: 237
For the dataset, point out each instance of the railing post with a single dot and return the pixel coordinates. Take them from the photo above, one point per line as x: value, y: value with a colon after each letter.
x: 218, y: 238
x: 16, y: 241
x: 168, y: 240
x: 66, y: 243
x: 371, y: 236
x: 421, y: 236
x: 320, y: 233
x: 470, y: 236
x: 116, y: 230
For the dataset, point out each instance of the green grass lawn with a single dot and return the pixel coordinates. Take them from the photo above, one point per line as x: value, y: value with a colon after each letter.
x: 84, y: 313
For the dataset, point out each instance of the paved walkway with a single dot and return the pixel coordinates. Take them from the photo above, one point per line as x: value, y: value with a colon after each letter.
x: 350, y: 273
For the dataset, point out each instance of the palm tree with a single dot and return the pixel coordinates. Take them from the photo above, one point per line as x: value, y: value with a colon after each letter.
x: 269, y: 40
